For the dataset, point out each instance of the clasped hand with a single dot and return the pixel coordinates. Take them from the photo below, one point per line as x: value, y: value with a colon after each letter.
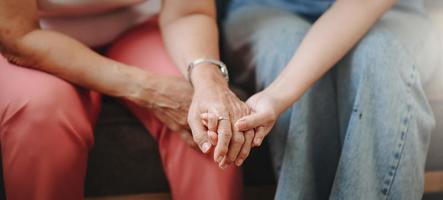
x: 223, y: 124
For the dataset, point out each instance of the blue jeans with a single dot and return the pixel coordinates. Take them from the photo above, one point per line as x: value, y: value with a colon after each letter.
x: 362, y: 131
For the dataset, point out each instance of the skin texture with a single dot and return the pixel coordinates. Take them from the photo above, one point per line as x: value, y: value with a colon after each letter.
x: 325, y: 44
x: 189, y: 31
x: 24, y: 43
x: 211, y: 92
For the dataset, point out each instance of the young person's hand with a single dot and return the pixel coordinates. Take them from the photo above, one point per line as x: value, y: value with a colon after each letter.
x: 264, y: 113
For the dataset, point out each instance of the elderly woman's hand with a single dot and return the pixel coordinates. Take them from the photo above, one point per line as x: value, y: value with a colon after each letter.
x: 222, y: 108
x: 190, y: 33
x: 169, y: 99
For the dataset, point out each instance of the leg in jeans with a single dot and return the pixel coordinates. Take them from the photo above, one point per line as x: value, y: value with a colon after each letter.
x: 272, y: 36
x: 45, y: 134
x: 362, y: 131
x: 191, y: 174
x: 385, y: 118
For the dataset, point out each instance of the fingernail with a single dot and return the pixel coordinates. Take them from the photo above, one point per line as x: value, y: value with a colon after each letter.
x: 205, y: 147
x: 239, y: 162
x: 223, y: 166
x: 257, y: 142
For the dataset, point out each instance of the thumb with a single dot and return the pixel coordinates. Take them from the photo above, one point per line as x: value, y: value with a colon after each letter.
x: 251, y: 121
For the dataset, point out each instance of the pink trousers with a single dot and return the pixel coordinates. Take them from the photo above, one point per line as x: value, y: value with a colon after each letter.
x: 46, y: 131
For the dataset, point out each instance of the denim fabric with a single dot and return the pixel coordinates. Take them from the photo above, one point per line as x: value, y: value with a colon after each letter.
x: 362, y: 131
x: 310, y: 8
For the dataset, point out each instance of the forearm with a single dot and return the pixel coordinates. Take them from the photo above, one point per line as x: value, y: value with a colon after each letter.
x: 329, y: 39
x: 67, y: 58
x: 190, y: 35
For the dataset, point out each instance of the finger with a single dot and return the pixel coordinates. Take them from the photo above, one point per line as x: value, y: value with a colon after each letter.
x: 175, y: 127
x: 212, y: 122
x: 199, y: 133
x: 251, y: 121
x: 178, y: 116
x: 212, y: 137
x: 222, y: 164
x: 208, y: 120
x: 212, y: 127
x: 187, y: 137
x: 246, y: 148
x: 172, y: 121
x: 166, y: 120
x: 205, y: 122
x: 260, y: 134
x: 237, y: 141
x: 223, y: 139
x: 204, y: 116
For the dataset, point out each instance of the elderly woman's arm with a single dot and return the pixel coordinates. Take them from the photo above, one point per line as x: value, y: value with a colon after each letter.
x: 23, y: 42
x: 190, y: 32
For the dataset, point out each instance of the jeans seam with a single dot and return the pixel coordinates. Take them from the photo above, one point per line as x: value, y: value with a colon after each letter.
x: 389, y: 181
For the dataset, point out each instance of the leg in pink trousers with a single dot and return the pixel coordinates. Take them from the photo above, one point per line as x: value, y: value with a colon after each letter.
x: 191, y: 174
x: 45, y: 134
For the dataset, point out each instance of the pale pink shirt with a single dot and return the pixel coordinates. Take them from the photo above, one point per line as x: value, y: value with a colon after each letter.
x: 95, y: 22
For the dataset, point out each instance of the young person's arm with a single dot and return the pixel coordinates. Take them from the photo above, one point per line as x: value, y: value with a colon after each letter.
x: 329, y: 39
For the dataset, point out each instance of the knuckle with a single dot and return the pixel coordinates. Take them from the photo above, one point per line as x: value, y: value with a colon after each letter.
x: 249, y: 134
x: 174, y: 127
x: 238, y: 138
x: 184, y: 136
x: 212, y: 117
x: 230, y: 159
x: 183, y: 122
x: 220, y: 107
x: 246, y: 123
x: 243, y: 155
x: 225, y: 133
x: 223, y: 151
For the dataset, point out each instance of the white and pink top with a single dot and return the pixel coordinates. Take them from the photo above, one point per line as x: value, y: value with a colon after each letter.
x: 95, y: 22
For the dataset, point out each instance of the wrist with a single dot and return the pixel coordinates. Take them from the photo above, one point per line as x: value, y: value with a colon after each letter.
x: 207, y: 76
x: 140, y: 82
x: 280, y: 101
